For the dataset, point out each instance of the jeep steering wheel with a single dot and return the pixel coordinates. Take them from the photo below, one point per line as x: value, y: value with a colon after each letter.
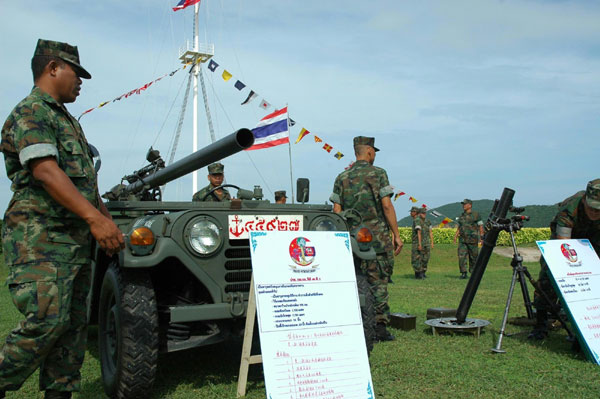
x: 212, y: 192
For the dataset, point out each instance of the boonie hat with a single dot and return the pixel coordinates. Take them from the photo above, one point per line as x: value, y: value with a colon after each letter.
x: 215, y: 168
x: 65, y: 52
x: 592, y: 194
x: 414, y: 209
x: 280, y: 194
x: 363, y: 140
x: 422, y: 210
x: 467, y: 201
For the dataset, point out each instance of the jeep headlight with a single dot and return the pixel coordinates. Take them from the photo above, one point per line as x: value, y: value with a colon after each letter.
x: 204, y: 237
x: 324, y: 224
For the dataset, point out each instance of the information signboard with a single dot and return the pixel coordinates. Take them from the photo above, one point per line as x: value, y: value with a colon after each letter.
x: 311, y: 334
x: 575, y: 270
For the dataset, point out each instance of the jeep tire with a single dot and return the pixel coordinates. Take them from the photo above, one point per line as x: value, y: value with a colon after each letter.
x: 127, y: 333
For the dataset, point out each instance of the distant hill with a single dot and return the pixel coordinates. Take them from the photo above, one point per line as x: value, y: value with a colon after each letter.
x: 540, y: 215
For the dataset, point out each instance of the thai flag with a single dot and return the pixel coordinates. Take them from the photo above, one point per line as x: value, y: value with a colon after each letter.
x: 185, y: 3
x: 272, y: 130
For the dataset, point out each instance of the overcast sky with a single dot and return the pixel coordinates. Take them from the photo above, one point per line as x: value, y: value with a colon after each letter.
x: 463, y: 98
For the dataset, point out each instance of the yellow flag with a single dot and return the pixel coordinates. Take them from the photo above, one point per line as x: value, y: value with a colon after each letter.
x: 226, y: 76
x: 317, y: 140
x: 303, y: 133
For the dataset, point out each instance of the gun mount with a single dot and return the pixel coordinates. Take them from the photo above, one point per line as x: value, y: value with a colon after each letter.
x: 144, y: 184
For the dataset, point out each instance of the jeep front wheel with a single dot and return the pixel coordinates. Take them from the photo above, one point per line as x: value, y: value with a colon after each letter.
x: 127, y: 333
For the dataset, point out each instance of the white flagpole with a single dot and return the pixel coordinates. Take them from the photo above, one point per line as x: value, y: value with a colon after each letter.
x: 290, y: 152
x: 196, y: 66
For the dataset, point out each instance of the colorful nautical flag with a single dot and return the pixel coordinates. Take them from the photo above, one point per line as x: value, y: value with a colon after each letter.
x: 398, y: 194
x: 239, y: 85
x: 303, y: 133
x: 264, y: 104
x: 338, y: 155
x: 272, y: 130
x: 445, y: 222
x: 212, y: 65
x: 413, y: 199
x: 185, y: 3
x: 327, y: 147
x: 226, y: 75
x: 424, y: 206
x: 435, y: 213
x: 317, y: 140
x: 251, y: 96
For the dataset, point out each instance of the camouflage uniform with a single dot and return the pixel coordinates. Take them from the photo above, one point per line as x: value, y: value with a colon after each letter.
x: 213, y: 169
x: 47, y: 248
x: 570, y: 221
x: 361, y: 188
x: 415, y: 254
x: 468, y: 239
x: 211, y: 198
x: 425, y: 243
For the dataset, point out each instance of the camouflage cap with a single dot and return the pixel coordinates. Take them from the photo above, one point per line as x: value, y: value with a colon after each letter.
x: 362, y: 140
x: 215, y: 168
x: 414, y: 209
x: 467, y: 201
x: 592, y: 194
x: 64, y: 51
x: 422, y: 210
x: 280, y: 194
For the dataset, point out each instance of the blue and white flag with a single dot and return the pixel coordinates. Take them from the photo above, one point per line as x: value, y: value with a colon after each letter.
x: 272, y: 130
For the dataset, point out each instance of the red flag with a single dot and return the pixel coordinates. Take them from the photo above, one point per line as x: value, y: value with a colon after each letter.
x: 327, y: 147
x: 413, y: 199
x: 398, y: 194
x: 185, y: 3
x: 424, y: 206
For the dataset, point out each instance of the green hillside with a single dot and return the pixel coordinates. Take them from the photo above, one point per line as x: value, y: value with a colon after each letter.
x: 540, y: 215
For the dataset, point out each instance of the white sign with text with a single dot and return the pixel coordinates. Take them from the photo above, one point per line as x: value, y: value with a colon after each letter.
x: 311, y: 334
x: 575, y: 268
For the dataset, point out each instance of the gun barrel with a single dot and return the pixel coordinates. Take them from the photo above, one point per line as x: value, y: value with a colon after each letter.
x: 229, y: 145
x: 499, y: 212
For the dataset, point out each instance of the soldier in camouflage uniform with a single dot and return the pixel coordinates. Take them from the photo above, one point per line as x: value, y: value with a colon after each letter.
x: 280, y: 197
x: 366, y: 189
x: 425, y: 238
x: 215, y: 177
x: 578, y: 217
x: 46, y: 232
x: 470, y: 234
x: 415, y: 254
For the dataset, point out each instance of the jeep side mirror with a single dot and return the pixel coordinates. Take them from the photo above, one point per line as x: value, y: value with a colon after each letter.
x: 95, y: 157
x: 302, y: 190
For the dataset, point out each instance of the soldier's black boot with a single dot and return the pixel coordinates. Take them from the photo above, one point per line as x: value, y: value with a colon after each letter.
x: 423, y: 275
x: 52, y: 394
x: 463, y: 275
x: 540, y: 331
x: 417, y: 275
x: 382, y: 334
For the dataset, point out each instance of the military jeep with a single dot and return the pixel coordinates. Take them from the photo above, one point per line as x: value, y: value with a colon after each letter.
x: 184, y: 277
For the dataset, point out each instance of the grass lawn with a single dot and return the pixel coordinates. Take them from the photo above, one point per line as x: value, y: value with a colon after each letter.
x: 416, y: 365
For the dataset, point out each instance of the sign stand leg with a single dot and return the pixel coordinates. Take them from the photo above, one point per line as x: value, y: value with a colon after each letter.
x: 248, y: 359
